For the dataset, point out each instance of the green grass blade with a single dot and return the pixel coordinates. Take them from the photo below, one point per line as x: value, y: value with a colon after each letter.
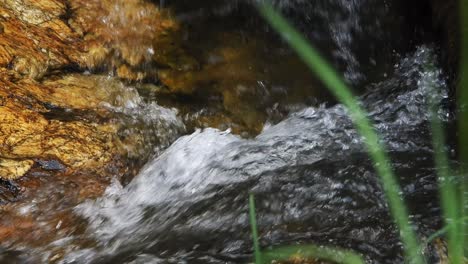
x: 311, y: 251
x: 447, y: 190
x: 463, y: 113
x: 253, y: 225
x: 337, y: 86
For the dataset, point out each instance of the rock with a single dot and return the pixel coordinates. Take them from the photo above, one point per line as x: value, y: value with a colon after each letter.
x: 28, y: 131
x: 131, y: 39
x: 64, y: 130
x: 440, y: 251
x: 25, y: 134
x: 85, y: 91
x: 121, y: 37
x: 128, y: 37
x: 34, y: 40
x: 13, y: 169
x: 48, y: 115
x: 37, y: 12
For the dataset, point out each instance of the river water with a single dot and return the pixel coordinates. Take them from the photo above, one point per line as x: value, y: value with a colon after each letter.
x: 313, y: 181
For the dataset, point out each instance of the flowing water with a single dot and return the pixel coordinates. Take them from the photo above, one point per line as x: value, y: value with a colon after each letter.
x: 310, y: 173
x: 313, y: 181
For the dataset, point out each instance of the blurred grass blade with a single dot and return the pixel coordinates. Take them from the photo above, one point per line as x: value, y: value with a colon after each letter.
x: 337, y: 86
x: 311, y: 251
x: 253, y: 225
x: 463, y: 114
x: 447, y: 190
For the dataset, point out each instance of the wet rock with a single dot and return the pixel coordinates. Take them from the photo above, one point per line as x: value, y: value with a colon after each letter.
x: 440, y: 251
x: 10, y: 256
x: 25, y: 134
x: 85, y: 91
x: 13, y: 169
x: 122, y: 37
x: 34, y: 39
x: 133, y: 40
x: 129, y: 37
x: 51, y: 165
x: 61, y: 133
x: 50, y: 116
x: 36, y: 12
x: 28, y: 132
x: 301, y: 260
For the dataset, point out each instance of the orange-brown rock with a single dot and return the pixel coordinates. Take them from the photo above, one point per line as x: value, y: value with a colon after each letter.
x: 34, y: 39
x: 12, y: 169
x: 128, y: 36
x: 58, y: 128
x: 27, y: 134
x: 40, y: 38
x: 120, y: 36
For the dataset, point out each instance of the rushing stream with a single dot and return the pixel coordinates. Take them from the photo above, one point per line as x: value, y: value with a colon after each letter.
x: 310, y: 173
x: 313, y: 181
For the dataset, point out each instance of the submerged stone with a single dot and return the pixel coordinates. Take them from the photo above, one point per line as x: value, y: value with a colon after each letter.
x: 51, y: 165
